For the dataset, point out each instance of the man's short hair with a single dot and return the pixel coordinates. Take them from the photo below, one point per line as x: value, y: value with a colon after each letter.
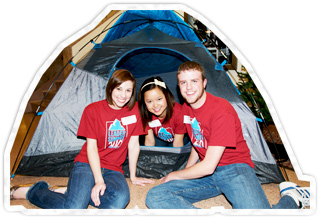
x: 191, y: 65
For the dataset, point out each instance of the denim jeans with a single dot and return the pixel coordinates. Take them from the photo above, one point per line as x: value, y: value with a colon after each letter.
x: 237, y: 182
x: 78, y: 194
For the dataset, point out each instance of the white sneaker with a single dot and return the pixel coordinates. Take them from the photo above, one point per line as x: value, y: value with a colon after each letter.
x: 300, y: 194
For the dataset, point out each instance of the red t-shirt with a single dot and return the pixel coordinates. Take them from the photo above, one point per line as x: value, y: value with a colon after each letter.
x: 167, y: 131
x: 112, y: 129
x: 216, y: 123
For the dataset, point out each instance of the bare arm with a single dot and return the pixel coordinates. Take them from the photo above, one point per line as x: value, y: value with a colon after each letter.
x: 133, y: 154
x: 94, y: 161
x: 206, y: 167
x: 193, y: 158
x: 178, y: 140
x: 149, y: 139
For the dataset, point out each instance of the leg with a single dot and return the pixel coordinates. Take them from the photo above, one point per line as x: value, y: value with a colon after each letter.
x: 116, y: 195
x: 77, y: 196
x: 241, y: 186
x: 286, y: 202
x: 181, y: 194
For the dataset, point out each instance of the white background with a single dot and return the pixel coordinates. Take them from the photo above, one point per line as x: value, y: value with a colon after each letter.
x: 279, y: 39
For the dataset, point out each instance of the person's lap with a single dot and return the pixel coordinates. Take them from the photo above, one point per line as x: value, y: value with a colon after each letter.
x: 237, y: 182
x: 78, y: 194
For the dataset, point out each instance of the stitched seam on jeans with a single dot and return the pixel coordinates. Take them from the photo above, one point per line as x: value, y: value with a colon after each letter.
x: 191, y: 189
x: 216, y: 186
x: 182, y: 199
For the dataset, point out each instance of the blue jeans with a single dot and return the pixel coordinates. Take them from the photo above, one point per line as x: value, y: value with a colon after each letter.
x: 78, y: 194
x: 238, y: 182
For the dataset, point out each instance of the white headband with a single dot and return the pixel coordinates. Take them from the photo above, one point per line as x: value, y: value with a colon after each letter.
x: 156, y: 82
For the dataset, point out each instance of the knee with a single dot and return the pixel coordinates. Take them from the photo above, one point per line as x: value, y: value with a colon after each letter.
x: 154, y: 196
x: 75, y: 204
x: 150, y: 198
x: 115, y: 199
x: 32, y: 192
x: 120, y: 201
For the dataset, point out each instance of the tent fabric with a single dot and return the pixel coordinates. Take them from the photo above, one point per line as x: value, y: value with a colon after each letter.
x: 59, y: 123
x: 167, y: 21
x: 148, y: 52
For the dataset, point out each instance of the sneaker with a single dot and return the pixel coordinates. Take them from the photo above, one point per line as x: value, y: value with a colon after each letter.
x: 300, y: 194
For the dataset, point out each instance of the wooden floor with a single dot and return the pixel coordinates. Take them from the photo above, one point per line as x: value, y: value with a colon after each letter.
x: 137, y: 193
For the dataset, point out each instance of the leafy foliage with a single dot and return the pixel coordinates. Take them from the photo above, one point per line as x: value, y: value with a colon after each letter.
x: 248, y: 91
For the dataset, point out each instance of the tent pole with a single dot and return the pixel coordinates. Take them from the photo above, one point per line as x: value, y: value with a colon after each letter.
x: 15, y: 165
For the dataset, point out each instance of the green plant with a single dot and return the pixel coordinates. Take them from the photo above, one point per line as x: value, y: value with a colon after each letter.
x: 249, y: 91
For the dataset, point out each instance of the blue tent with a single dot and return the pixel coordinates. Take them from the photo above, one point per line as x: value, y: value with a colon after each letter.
x: 166, y: 21
x: 148, y: 43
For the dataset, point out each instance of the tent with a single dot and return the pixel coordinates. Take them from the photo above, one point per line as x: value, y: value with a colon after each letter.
x: 148, y: 43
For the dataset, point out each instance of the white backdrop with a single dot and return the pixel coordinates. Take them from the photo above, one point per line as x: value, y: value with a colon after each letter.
x: 279, y: 39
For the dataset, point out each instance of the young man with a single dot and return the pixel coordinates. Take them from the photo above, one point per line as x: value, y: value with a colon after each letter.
x: 225, y: 165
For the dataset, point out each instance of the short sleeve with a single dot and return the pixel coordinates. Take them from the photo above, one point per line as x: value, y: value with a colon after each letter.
x: 87, y: 124
x: 138, y: 129
x: 180, y: 126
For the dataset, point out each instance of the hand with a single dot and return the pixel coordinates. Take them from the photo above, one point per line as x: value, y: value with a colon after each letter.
x: 141, y: 181
x: 97, y: 190
x: 168, y: 178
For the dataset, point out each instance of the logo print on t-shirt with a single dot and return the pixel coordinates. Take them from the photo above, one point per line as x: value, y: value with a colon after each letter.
x: 165, y: 135
x: 197, y: 138
x: 115, y: 134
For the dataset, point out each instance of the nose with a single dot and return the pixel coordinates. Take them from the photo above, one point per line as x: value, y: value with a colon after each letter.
x: 123, y: 94
x: 189, y: 86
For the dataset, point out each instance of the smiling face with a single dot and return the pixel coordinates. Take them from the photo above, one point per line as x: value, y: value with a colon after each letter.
x: 121, y: 95
x: 192, y: 87
x: 156, y: 102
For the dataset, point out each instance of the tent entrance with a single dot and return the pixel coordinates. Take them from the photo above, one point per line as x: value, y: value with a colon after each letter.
x: 150, y: 61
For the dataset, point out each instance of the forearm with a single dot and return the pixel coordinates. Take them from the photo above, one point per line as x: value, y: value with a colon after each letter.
x: 193, y: 158
x: 206, y: 167
x: 195, y: 171
x: 149, y: 139
x: 147, y: 142
x: 133, y: 154
x: 94, y: 160
x: 178, y: 140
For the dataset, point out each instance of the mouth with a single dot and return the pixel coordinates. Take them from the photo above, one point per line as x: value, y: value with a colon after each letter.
x: 122, y: 100
x: 157, y: 110
x: 190, y: 93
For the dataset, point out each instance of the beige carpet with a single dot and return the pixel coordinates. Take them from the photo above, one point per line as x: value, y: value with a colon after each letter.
x: 138, y: 193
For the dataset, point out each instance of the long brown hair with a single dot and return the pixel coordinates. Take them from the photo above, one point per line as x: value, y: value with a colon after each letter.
x: 116, y: 79
x: 147, y: 85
